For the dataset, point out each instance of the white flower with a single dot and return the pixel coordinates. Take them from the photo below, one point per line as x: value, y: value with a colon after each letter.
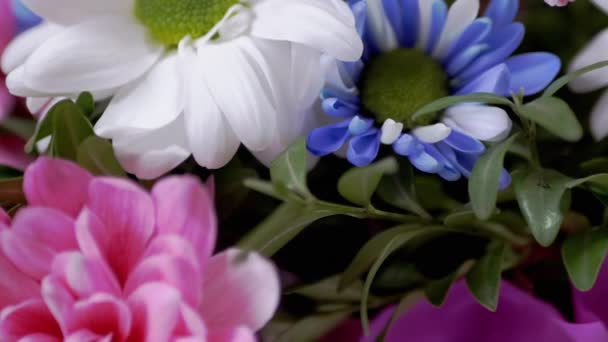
x: 187, y: 76
x: 595, y: 51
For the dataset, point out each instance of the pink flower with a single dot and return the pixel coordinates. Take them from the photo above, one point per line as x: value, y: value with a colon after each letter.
x: 100, y: 259
x: 558, y: 3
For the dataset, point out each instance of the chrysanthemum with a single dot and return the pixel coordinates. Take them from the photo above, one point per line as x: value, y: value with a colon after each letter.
x: 417, y: 51
x: 188, y: 76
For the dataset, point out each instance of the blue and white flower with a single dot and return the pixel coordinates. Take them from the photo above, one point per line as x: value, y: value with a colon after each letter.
x: 417, y: 51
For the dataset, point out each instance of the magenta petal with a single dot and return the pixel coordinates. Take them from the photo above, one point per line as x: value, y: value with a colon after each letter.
x: 156, y: 310
x: 36, y: 236
x: 12, y: 153
x: 85, y: 276
x: 127, y: 214
x: 56, y: 183
x: 59, y: 299
x: 171, y: 270
x: 185, y: 207
x: 102, y: 314
x: 238, y: 334
x: 592, y: 305
x: 5, y: 220
x: 190, y: 324
x: 15, y: 286
x: 28, y: 318
x: 239, y: 290
x: 6, y: 100
x: 87, y: 336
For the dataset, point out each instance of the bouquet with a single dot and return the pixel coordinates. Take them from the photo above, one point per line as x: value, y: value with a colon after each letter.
x: 303, y: 170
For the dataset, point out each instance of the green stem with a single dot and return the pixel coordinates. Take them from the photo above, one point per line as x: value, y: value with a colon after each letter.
x: 530, y: 131
x: 369, y: 212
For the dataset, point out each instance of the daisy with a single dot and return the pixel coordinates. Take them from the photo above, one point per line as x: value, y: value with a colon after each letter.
x: 187, y: 77
x: 595, y: 51
x: 417, y: 51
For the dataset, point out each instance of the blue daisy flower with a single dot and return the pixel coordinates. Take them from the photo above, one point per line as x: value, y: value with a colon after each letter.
x: 417, y: 51
x: 25, y: 18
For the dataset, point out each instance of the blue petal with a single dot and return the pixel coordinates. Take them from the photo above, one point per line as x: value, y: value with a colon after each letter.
x: 464, y: 143
x: 476, y: 32
x: 328, y: 139
x: 425, y: 162
x: 502, y: 12
x: 359, y: 9
x: 532, y: 71
x: 328, y: 93
x: 466, y: 162
x: 505, y: 180
x: 363, y: 149
x: 338, y: 108
x: 392, y: 9
x: 411, y: 21
x: 496, y: 80
x: 25, y: 18
x: 464, y: 58
x: 502, y: 44
x: 407, y: 145
x: 448, y: 170
x: 358, y: 125
x: 439, y: 13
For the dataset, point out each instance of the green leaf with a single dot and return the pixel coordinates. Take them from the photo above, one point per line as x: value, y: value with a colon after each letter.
x: 70, y: 129
x: 284, y: 224
x: 595, y: 165
x: 437, y: 290
x: 555, y: 115
x: 97, y: 155
x: 86, y: 103
x: 484, y: 278
x: 11, y: 190
x: 23, y: 128
x: 369, y: 252
x: 44, y: 128
x: 327, y: 290
x: 543, y: 196
x: 312, y: 328
x: 583, y: 254
x: 359, y: 183
x: 448, y: 101
x: 562, y: 81
x: 393, y: 244
x: 596, y: 183
x: 288, y: 171
x: 484, y: 180
x: 399, y: 191
x: 230, y: 190
x: 263, y: 187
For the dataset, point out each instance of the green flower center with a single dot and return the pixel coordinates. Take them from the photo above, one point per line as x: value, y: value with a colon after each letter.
x: 169, y: 21
x: 398, y: 83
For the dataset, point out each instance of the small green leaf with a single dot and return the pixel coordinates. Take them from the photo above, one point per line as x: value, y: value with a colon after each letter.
x: 70, y: 129
x: 555, y: 115
x: 595, y: 165
x: 596, y: 183
x: 288, y: 171
x: 263, y: 187
x: 369, y: 252
x: 11, y: 190
x: 23, y: 128
x: 97, y: 155
x: 44, y: 128
x: 484, y: 278
x: 399, y: 191
x: 86, y: 103
x: 448, y: 101
x: 312, y: 328
x: 359, y: 183
x: 284, y: 224
x: 437, y: 290
x: 562, y: 81
x: 583, y: 254
x: 326, y: 290
x: 543, y: 196
x: 484, y: 180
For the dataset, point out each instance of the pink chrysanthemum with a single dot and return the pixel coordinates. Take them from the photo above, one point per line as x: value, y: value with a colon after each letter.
x: 100, y: 259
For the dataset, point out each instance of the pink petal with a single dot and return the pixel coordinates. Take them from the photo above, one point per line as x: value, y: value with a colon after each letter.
x: 39, y: 338
x: 190, y: 324
x: 11, y: 147
x: 87, y: 336
x: 6, y: 101
x: 15, y: 286
x: 184, y: 207
x: 4, y: 218
x: 36, y: 236
x: 57, y: 184
x: 7, y: 24
x: 239, y: 290
x: 171, y: 244
x: 126, y: 214
x: 155, y: 308
x: 28, y: 318
x: 85, y: 276
x: 102, y: 314
x: 238, y: 334
x: 170, y: 270
x: 59, y: 299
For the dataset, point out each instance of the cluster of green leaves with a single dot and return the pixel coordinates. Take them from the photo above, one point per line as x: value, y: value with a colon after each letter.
x: 64, y: 132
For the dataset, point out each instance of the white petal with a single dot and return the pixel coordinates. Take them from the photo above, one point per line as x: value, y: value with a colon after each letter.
x: 101, y: 53
x: 595, y: 51
x: 150, y: 154
x: 150, y: 103
x: 599, y: 118
x: 234, y: 72
x: 324, y: 25
x: 433, y: 133
x: 461, y: 14
x: 24, y: 44
x: 337, y: 77
x: 380, y: 27
x: 390, y: 131
x: 211, y: 140
x: 485, y: 123
x: 15, y: 83
x: 601, y: 4
x: 68, y: 12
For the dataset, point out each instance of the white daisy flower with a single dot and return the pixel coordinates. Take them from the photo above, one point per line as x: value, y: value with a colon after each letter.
x: 187, y: 76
